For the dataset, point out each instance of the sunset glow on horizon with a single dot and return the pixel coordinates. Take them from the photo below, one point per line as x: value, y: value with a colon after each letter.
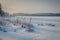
x: 31, y: 6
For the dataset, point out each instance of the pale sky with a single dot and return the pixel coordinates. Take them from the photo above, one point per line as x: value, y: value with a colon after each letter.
x: 31, y: 6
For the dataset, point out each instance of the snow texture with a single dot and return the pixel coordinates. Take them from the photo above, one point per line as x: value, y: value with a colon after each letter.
x: 22, y: 28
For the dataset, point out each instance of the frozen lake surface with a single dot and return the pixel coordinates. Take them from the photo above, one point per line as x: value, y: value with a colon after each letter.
x: 45, y: 28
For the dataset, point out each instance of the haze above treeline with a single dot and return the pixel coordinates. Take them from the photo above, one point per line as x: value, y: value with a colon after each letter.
x: 3, y: 13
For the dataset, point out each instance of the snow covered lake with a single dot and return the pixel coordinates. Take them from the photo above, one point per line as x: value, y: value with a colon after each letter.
x: 45, y: 28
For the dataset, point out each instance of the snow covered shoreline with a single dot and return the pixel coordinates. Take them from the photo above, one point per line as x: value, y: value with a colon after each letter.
x: 46, y: 28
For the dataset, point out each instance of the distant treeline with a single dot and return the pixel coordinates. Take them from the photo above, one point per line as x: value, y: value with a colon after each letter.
x: 37, y: 14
